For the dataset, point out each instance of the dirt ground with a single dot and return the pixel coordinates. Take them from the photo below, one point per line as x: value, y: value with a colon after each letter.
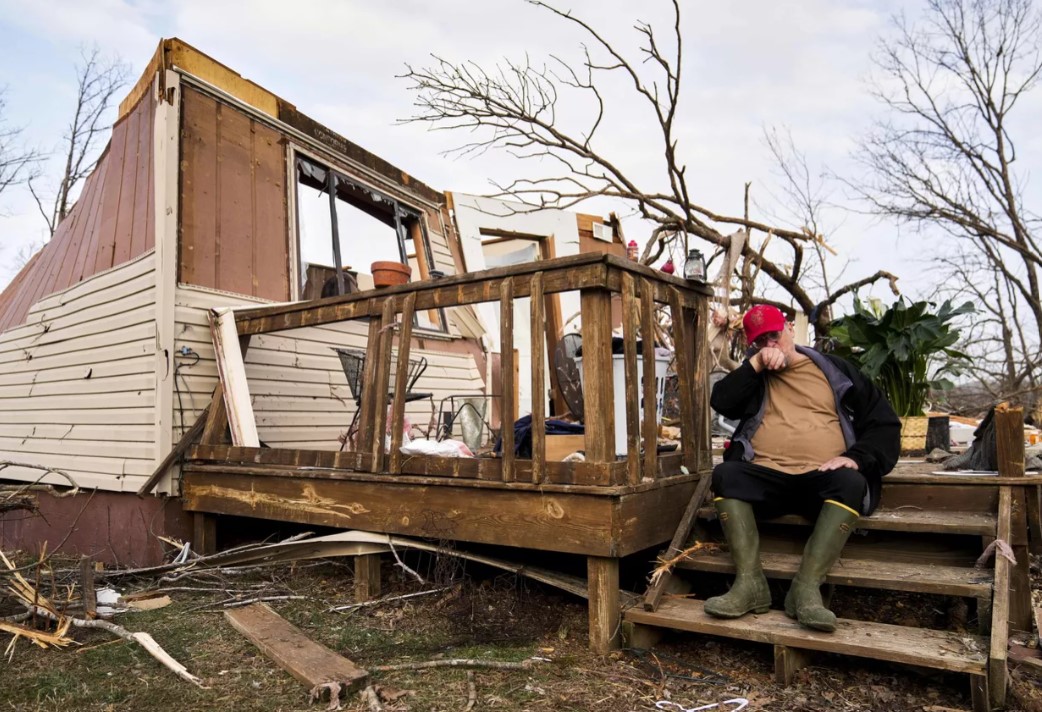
x: 476, y: 614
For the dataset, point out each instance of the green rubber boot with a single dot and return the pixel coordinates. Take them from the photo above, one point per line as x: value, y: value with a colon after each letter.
x: 749, y: 591
x: 803, y: 602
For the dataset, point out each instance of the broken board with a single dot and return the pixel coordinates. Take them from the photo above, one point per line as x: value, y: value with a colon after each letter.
x: 312, y: 663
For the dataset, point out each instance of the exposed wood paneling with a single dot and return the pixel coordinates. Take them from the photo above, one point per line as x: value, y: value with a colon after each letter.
x: 95, y: 235
x: 233, y: 204
x: 199, y: 226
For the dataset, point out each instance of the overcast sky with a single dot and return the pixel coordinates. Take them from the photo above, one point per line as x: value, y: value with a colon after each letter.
x: 749, y: 65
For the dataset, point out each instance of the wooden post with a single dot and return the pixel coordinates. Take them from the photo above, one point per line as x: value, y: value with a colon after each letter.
x: 598, y: 389
x: 649, y: 431
x: 603, y: 587
x: 700, y: 387
x: 381, y: 383
x: 367, y: 577
x: 538, y: 311
x: 1009, y: 441
x: 204, y: 531
x: 684, y: 343
x: 90, y: 601
x: 401, y: 381
x: 506, y: 364
x: 366, y: 419
x: 1000, y: 600
x: 629, y: 334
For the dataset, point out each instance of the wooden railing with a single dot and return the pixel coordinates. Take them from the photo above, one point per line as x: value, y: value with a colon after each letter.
x: 597, y: 278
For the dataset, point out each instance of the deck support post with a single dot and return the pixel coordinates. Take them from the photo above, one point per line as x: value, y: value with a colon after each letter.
x: 204, y: 533
x: 603, y: 586
x: 367, y: 577
x: 787, y: 662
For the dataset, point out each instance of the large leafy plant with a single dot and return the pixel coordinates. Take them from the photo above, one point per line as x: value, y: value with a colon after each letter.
x: 905, y: 349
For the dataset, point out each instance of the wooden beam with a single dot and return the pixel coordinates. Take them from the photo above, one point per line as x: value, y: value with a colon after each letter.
x: 700, y: 387
x: 181, y: 448
x: 603, y: 583
x: 506, y: 364
x: 577, y: 524
x: 538, y: 314
x: 401, y: 382
x: 1000, y: 602
x: 309, y: 662
x: 630, y: 322
x: 598, y: 389
x: 232, y: 370
x: 654, y: 593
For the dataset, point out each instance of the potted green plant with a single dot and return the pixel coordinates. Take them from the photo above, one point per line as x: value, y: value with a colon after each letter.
x: 906, y: 350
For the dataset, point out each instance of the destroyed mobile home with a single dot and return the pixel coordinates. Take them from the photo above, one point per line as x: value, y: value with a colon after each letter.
x: 211, y: 327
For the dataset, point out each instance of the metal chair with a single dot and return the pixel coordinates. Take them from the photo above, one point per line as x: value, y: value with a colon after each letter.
x: 353, y: 363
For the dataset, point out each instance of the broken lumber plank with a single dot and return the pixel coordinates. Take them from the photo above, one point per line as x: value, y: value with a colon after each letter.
x: 181, y: 448
x: 309, y: 662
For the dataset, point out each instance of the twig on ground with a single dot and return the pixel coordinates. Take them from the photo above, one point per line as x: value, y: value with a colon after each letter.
x: 472, y: 692
x: 402, y: 564
x: 388, y: 599
x: 460, y: 662
x: 372, y: 699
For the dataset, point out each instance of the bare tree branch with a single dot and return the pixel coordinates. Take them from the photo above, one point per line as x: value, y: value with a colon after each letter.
x: 517, y: 107
x: 944, y: 158
x: 98, y: 81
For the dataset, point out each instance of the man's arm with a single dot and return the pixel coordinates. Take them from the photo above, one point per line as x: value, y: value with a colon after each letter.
x: 876, y: 426
x: 733, y: 394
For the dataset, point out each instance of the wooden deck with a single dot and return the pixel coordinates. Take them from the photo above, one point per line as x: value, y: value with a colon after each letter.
x: 603, y: 508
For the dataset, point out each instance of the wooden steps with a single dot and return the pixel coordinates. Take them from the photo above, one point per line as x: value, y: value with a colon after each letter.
x: 867, y: 573
x: 942, y: 650
x: 911, y: 519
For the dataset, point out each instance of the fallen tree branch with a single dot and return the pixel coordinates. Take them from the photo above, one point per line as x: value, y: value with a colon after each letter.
x: 461, y: 663
x: 145, y: 640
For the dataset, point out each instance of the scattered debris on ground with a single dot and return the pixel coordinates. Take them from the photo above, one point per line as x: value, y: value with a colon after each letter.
x: 475, y: 639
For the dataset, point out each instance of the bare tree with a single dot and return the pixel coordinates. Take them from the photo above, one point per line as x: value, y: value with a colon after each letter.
x: 15, y: 159
x: 98, y: 80
x: 519, y: 107
x: 944, y: 158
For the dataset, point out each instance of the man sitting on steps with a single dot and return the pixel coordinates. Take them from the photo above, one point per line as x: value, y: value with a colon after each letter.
x: 815, y: 438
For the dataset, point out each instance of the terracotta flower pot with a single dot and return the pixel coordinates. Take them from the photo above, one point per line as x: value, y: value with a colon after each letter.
x: 390, y: 274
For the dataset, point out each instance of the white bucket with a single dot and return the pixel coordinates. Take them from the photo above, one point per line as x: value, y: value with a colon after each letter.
x: 618, y: 374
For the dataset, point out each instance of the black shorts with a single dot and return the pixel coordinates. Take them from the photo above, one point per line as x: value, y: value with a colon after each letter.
x: 773, y: 493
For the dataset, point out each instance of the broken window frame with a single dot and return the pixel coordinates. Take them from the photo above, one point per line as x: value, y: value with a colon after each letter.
x: 408, y: 223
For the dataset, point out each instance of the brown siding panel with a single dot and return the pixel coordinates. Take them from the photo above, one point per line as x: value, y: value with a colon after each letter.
x: 235, y: 209
x: 84, y: 243
x: 233, y: 201
x: 198, y: 189
x: 270, y: 228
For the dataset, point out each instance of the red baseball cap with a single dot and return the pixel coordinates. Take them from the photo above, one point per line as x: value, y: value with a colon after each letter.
x: 761, y: 319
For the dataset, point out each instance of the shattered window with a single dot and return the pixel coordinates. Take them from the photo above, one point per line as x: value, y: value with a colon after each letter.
x: 358, y: 227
